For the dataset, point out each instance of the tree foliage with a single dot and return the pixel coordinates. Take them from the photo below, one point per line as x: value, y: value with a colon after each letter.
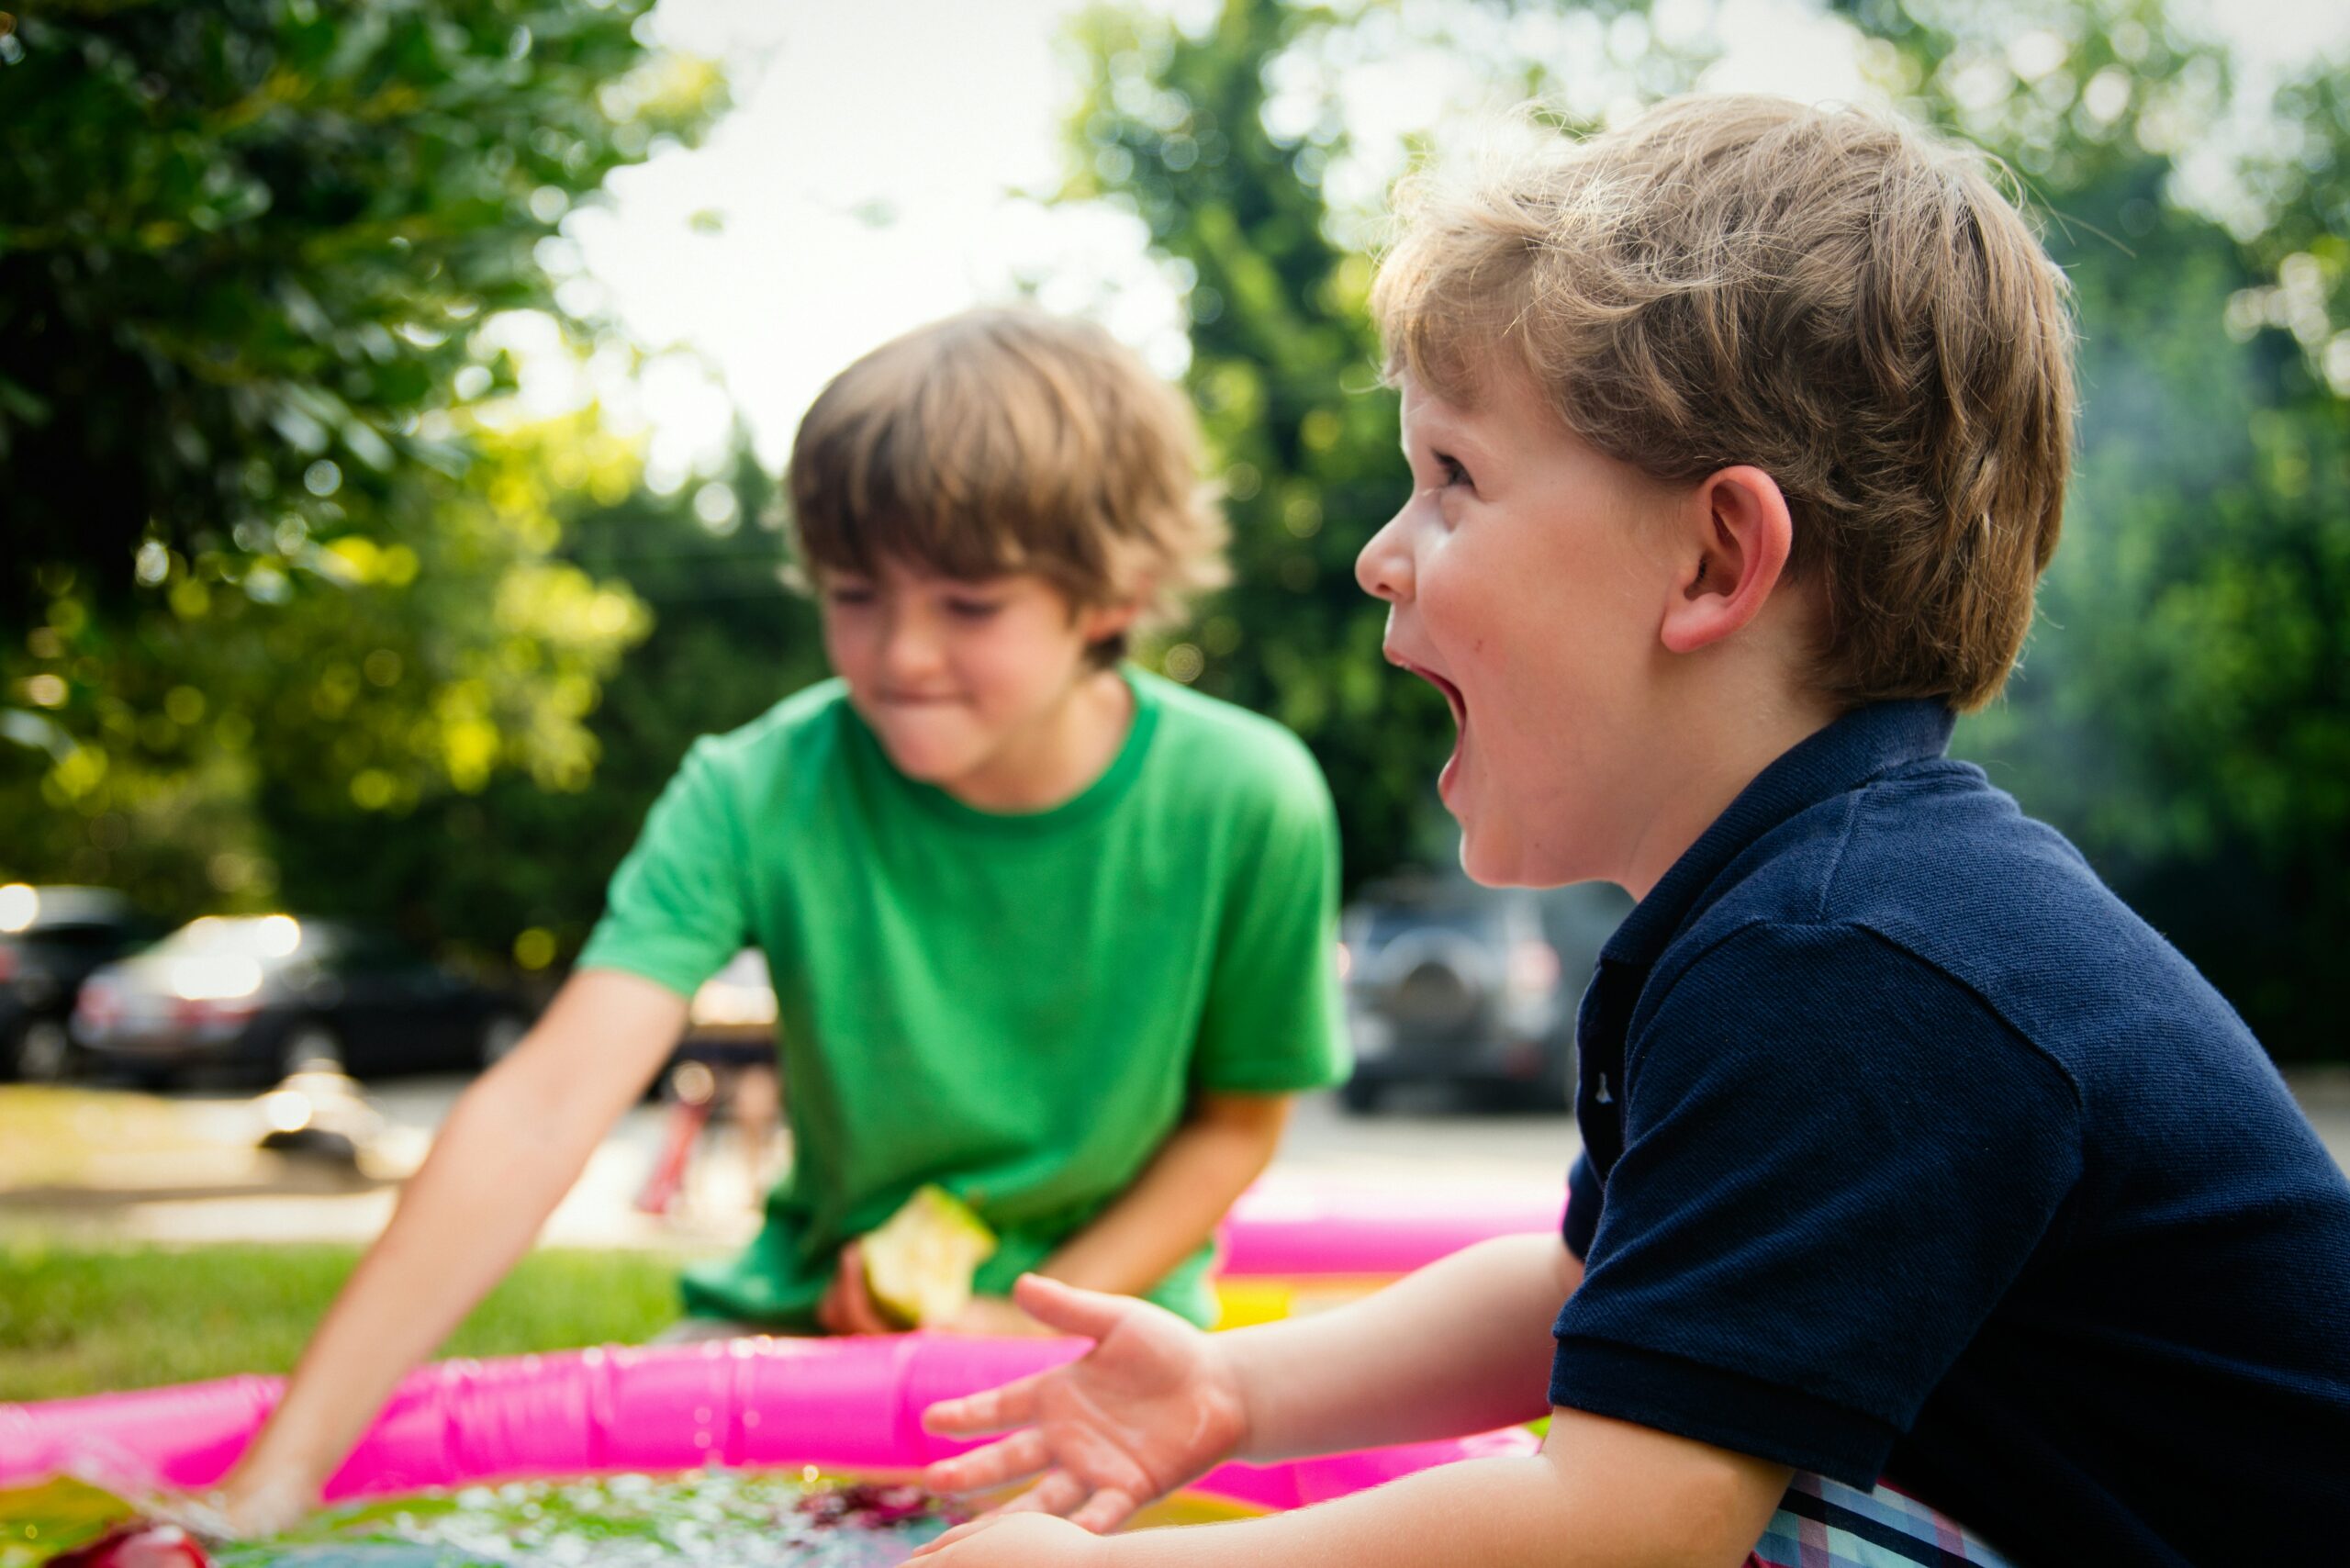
x: 520, y: 868
x: 1282, y: 362
x: 280, y: 553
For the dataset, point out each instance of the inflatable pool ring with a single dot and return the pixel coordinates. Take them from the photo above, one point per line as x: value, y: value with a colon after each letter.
x: 1293, y: 1245
x: 839, y: 1404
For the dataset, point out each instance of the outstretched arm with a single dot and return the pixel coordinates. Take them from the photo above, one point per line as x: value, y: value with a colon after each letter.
x: 1601, y: 1492
x: 1181, y: 1197
x: 1463, y: 1346
x: 512, y: 1147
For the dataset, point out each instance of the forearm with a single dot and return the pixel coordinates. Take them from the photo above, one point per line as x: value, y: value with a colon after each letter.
x: 1603, y: 1492
x: 1483, y: 1512
x: 1461, y: 1346
x: 510, y: 1148
x: 443, y: 1250
x: 1177, y: 1201
x: 1488, y: 1513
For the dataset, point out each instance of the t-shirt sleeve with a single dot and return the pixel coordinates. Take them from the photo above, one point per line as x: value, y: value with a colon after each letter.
x: 1582, y: 1217
x: 1836, y: 1160
x: 1273, y: 1023
x: 677, y: 909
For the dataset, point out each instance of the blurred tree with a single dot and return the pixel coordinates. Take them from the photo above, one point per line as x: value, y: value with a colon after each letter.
x: 272, y: 536
x: 1173, y: 124
x: 520, y: 868
x: 2184, y: 707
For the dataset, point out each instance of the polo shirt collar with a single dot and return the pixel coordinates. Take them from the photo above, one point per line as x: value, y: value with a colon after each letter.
x: 1859, y: 747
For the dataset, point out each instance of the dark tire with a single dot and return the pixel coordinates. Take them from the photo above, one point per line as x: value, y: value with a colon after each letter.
x: 310, y: 1046
x: 1362, y: 1095
x: 1550, y: 1092
x: 45, y: 1052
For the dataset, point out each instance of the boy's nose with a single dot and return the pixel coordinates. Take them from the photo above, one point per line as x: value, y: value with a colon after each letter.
x: 1384, y: 567
x: 910, y: 649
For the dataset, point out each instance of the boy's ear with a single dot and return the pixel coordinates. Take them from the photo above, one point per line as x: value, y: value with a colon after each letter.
x: 1737, y: 544
x: 1100, y: 622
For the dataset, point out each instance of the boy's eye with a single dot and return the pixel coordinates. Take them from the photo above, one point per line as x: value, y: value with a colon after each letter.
x: 1449, y: 467
x: 848, y: 595
x: 973, y: 608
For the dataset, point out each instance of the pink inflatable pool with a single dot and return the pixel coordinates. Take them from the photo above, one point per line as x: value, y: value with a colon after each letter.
x: 846, y: 1404
x: 1295, y: 1227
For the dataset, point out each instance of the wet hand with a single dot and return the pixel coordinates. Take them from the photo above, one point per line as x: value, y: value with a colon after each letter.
x: 1152, y: 1405
x: 1014, y: 1540
x: 847, y: 1307
x: 246, y: 1505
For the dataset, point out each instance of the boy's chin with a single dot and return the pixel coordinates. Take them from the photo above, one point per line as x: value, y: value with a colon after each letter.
x: 940, y: 775
x: 937, y: 764
x: 1486, y: 862
x: 1494, y: 859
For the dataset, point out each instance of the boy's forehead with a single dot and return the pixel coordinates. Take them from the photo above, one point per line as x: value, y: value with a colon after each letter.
x: 1428, y: 411
x: 901, y: 571
x: 1507, y: 413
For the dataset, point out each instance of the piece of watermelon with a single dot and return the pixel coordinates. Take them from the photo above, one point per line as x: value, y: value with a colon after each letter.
x: 918, y: 1267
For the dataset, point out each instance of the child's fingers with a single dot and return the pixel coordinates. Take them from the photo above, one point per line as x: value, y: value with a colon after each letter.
x: 856, y: 1307
x: 960, y: 1532
x: 1057, y: 1493
x: 1105, y: 1511
x: 829, y: 1316
x: 991, y: 1410
x: 1070, y: 1309
x: 1016, y: 1457
x: 864, y: 1317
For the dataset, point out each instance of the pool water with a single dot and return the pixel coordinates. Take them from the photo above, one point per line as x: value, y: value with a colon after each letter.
x: 713, y: 1518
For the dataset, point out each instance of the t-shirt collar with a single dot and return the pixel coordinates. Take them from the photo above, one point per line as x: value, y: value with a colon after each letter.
x: 1858, y: 746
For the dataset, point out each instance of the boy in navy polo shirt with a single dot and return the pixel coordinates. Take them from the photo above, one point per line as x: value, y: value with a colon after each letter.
x: 1922, y: 1183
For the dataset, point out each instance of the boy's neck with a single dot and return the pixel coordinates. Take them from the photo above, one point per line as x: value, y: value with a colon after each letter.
x: 1732, y: 744
x: 1055, y: 759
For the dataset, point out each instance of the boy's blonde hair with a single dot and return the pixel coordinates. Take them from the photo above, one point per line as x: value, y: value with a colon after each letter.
x: 1008, y: 440
x: 1828, y: 296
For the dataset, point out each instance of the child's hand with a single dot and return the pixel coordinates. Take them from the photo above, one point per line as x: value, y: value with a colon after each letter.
x: 847, y: 1307
x: 994, y: 1317
x: 1013, y: 1541
x: 1152, y: 1406
x: 248, y: 1505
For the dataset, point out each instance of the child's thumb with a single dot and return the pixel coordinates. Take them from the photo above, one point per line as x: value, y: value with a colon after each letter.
x: 1070, y: 1309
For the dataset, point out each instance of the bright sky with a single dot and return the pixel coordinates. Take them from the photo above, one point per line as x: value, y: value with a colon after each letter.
x: 865, y: 184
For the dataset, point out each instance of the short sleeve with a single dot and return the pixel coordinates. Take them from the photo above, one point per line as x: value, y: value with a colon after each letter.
x: 1581, y: 1218
x: 1273, y: 1023
x: 1836, y: 1161
x: 677, y: 909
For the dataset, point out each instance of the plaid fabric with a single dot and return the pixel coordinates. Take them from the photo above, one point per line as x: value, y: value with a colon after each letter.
x: 1826, y: 1524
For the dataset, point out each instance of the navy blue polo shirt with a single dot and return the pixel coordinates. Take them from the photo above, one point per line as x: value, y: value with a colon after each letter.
x: 1910, y: 1153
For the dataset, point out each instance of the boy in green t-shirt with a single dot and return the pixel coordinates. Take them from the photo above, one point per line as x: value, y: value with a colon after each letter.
x: 1045, y: 931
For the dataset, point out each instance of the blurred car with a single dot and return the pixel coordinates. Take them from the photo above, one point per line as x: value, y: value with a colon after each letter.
x: 1449, y: 982
x: 270, y: 995
x: 50, y: 939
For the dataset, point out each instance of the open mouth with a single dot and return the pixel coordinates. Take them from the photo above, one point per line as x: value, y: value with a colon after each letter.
x: 1459, y: 704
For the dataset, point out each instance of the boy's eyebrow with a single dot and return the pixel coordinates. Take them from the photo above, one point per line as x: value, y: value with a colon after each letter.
x: 1445, y: 433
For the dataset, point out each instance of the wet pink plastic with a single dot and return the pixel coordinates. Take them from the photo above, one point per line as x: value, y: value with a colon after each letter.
x: 847, y: 1403
x: 1293, y: 1226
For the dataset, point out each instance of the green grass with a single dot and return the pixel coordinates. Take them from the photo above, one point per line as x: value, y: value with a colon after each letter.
x: 82, y: 1318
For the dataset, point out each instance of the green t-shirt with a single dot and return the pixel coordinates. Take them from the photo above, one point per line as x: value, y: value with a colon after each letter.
x: 1016, y: 1007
